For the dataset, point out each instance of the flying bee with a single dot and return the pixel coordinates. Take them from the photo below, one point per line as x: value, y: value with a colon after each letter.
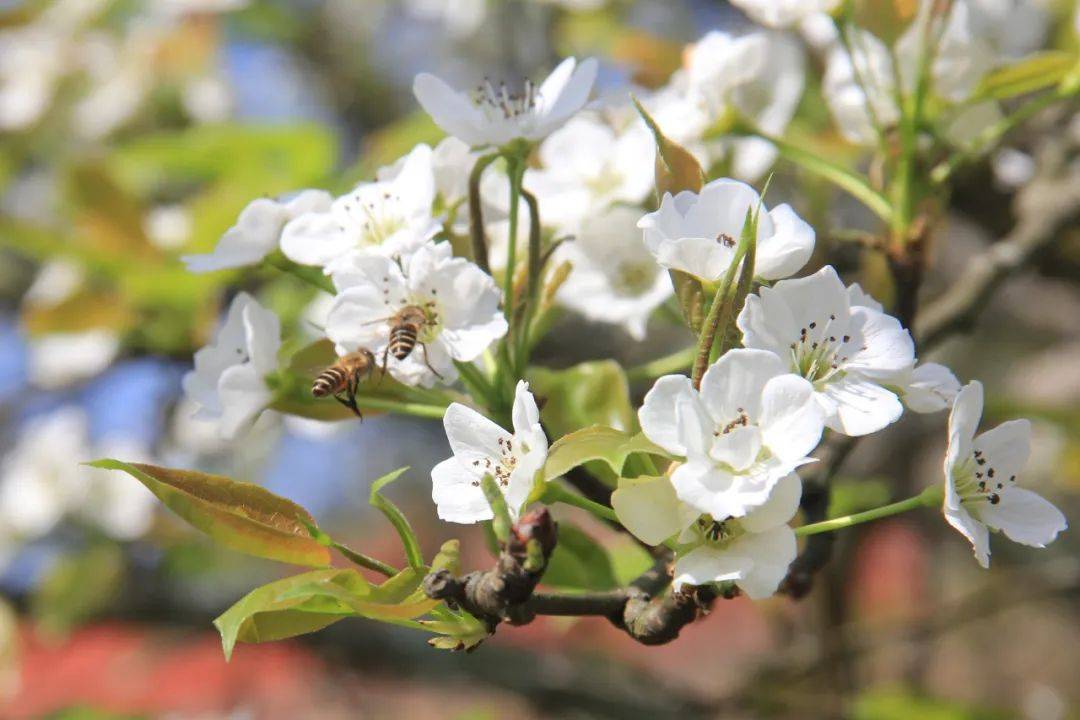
x: 342, y: 379
x: 405, y: 327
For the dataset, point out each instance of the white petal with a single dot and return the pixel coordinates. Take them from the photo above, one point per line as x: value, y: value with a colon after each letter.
x: 473, y: 438
x: 976, y: 533
x: 694, y: 426
x: 737, y: 448
x: 315, y: 239
x: 357, y: 319
x: 457, y: 496
x: 862, y: 407
x: 563, y: 96
x: 734, y: 383
x: 525, y: 413
x: 791, y: 419
x: 859, y: 297
x: 788, y: 249
x: 649, y: 509
x: 253, y: 237
x: 704, y: 565
x: 770, y: 554
x: 1006, y: 448
x: 778, y: 510
x: 1025, y: 517
x: 657, y: 413
x: 887, y: 348
x: 244, y: 395
x: 262, y: 333
x: 451, y: 110
x: 930, y: 387
x: 701, y: 257
x: 963, y: 422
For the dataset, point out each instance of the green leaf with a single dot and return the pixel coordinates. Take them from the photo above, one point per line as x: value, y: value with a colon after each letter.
x: 239, y: 515
x: 579, y: 562
x: 463, y: 632
x: 1034, y: 72
x: 397, y: 518
x: 399, y: 598
x: 275, y: 611
x: 592, y: 393
x: 596, y: 443
x: 501, y: 522
x: 676, y: 168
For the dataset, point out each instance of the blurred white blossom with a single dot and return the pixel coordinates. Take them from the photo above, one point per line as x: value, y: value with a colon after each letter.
x: 229, y: 379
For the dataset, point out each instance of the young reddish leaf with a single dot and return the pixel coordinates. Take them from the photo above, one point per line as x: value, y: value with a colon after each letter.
x: 239, y: 515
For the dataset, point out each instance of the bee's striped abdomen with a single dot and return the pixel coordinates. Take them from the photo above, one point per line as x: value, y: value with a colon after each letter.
x: 402, y: 340
x: 330, y: 381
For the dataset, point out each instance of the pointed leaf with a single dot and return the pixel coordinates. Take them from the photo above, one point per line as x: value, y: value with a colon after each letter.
x: 691, y: 296
x: 239, y: 515
x: 676, y: 168
x: 397, y: 518
x: 501, y: 522
x: 275, y: 611
x: 1034, y: 72
x: 596, y: 443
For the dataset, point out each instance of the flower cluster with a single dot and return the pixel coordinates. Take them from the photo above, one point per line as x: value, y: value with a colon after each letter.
x: 816, y: 354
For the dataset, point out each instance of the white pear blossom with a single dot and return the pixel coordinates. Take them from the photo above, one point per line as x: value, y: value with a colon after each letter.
x: 388, y: 217
x: 587, y: 166
x: 257, y: 231
x: 752, y: 423
x: 860, y: 87
x: 698, y: 233
x: 491, y: 115
x: 168, y: 227
x: 851, y: 353
x: 229, y: 379
x: 783, y: 13
x: 459, y: 301
x: 614, y: 277
x: 753, y: 551
x: 483, y: 448
x: 981, y: 491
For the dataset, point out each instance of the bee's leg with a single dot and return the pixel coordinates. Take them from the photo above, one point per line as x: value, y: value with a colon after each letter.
x: 349, y: 401
x: 427, y: 362
x: 385, y: 360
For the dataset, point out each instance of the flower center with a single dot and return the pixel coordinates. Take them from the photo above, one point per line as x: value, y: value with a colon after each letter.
x: 818, y: 354
x: 741, y: 420
x: 719, y: 533
x: 632, y: 279
x: 977, y: 481
x: 502, y: 467
x: 496, y: 102
x: 379, y: 218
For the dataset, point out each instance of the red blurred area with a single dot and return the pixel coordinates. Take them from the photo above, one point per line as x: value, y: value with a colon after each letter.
x: 127, y: 669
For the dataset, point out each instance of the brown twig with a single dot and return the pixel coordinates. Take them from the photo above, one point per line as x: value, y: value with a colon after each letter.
x: 1044, y: 208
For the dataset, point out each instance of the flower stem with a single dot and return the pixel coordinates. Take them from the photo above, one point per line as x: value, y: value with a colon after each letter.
x: 476, y: 213
x: 929, y: 497
x: 366, y: 561
x: 477, y: 384
x: 557, y: 493
x: 515, y: 168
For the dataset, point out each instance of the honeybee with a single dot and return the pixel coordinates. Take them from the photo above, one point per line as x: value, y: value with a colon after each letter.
x: 405, y: 327
x: 343, y: 378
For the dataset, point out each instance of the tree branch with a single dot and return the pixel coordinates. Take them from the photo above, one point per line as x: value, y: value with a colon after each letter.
x: 1044, y: 208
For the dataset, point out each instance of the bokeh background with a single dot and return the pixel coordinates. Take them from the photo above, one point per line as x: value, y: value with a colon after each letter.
x: 132, y: 131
